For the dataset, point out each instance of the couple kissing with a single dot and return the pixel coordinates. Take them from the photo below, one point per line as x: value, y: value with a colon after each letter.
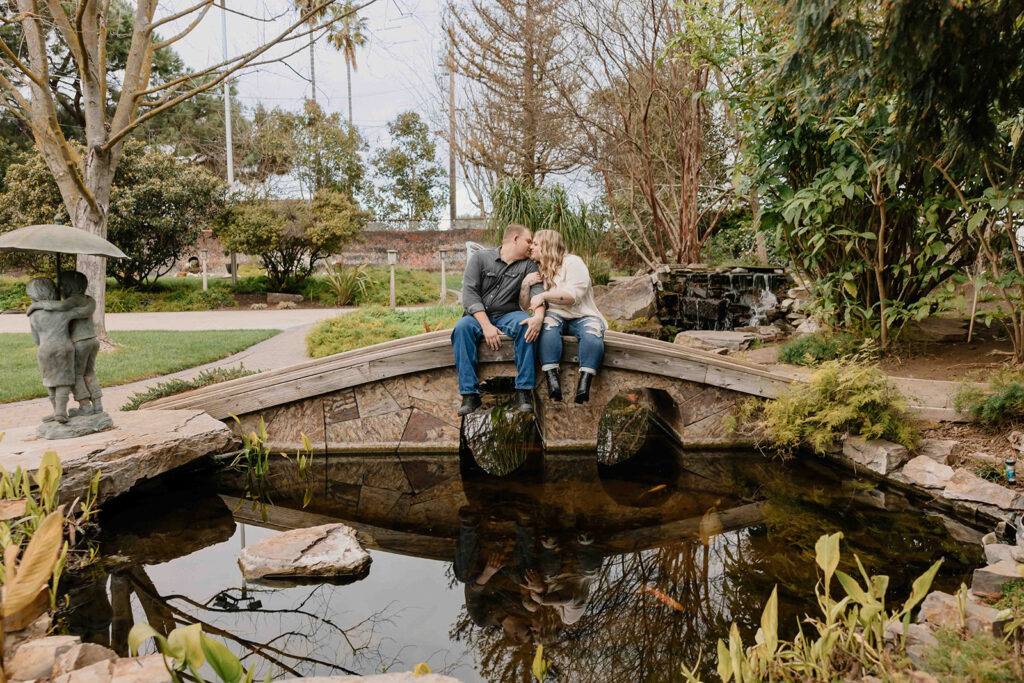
x: 532, y: 290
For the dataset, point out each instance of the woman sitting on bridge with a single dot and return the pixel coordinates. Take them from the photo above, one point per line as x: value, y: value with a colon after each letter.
x: 569, y: 296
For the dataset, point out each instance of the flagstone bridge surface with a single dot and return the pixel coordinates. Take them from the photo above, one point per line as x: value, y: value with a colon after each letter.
x: 402, y: 396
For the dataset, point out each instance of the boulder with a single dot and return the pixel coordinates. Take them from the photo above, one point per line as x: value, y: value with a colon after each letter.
x: 100, y: 672
x: 286, y: 306
x: 965, y: 485
x: 81, y: 656
x: 142, y: 445
x: 925, y: 472
x: 937, y: 329
x: 877, y: 455
x: 989, y: 580
x: 939, y: 450
x: 148, y: 669
x: 919, y: 641
x: 808, y: 326
x: 719, y: 339
x: 35, y: 659
x: 1001, y: 552
x: 988, y: 458
x: 632, y: 299
x: 329, y: 550
x: 942, y: 610
x: 275, y: 298
x: 800, y: 293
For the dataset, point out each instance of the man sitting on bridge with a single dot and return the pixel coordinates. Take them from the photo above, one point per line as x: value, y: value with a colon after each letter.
x: 490, y: 296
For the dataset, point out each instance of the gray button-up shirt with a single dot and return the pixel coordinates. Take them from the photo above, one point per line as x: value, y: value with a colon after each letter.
x: 491, y: 285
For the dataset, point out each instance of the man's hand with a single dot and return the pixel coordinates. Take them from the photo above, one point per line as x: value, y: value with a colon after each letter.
x: 492, y: 337
x: 495, y: 561
x: 533, y: 325
x: 532, y: 279
x: 538, y: 301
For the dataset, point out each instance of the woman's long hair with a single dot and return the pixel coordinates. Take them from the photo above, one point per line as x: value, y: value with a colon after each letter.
x: 550, y: 254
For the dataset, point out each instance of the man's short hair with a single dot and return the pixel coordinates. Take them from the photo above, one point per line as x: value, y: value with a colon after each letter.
x: 513, y: 229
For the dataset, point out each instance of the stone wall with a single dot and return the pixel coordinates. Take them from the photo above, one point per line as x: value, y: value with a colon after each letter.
x: 417, y: 413
x: 699, y: 298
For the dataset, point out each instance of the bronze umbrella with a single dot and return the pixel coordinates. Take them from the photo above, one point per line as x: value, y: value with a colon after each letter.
x: 58, y: 239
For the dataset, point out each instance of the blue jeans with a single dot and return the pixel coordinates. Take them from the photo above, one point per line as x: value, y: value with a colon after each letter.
x: 468, y: 333
x: 589, y: 330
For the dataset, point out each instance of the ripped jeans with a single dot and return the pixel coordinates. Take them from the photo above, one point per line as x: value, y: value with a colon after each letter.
x: 589, y: 330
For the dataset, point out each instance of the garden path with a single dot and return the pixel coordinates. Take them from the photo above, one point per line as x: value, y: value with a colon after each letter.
x: 283, y: 349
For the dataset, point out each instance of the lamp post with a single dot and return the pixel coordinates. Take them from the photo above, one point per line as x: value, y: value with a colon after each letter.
x: 444, y: 284
x: 392, y: 260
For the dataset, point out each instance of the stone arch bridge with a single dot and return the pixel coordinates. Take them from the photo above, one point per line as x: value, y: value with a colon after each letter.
x: 402, y: 395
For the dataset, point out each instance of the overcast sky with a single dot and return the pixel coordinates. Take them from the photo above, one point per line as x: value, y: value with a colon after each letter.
x: 396, y: 69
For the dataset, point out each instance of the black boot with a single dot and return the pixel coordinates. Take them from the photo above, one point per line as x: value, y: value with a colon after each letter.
x: 554, y: 386
x: 524, y: 400
x: 470, y: 402
x: 583, y: 387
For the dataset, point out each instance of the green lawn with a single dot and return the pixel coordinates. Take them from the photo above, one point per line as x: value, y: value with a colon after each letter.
x: 373, y: 325
x: 141, y: 355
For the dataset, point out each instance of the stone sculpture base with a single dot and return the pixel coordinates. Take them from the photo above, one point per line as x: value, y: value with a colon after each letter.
x: 80, y: 425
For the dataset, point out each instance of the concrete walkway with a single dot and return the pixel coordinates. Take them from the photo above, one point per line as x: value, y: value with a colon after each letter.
x: 283, y: 349
x: 200, y: 320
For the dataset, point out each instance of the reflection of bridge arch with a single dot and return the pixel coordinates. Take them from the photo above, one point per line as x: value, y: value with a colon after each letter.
x: 402, y: 396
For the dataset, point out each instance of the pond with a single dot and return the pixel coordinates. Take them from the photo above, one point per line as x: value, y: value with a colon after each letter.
x: 636, y: 567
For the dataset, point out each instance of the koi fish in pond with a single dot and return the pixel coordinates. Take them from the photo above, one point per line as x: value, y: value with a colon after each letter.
x: 663, y: 597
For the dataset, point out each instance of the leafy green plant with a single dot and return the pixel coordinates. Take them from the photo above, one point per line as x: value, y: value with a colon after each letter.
x: 840, y: 397
x: 1002, y: 401
x: 254, y: 461
x: 846, y: 642
x: 812, y: 349
x: 349, y: 283
x: 972, y: 656
x: 176, y: 386
x: 188, y: 647
x: 540, y: 665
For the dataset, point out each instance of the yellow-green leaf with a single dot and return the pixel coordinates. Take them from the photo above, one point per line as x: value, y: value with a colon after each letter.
x: 223, y: 663
x: 724, y: 662
x: 853, y: 588
x: 140, y: 633
x: 540, y: 667
x: 184, y: 642
x: 770, y: 622
x: 33, y: 572
x: 422, y: 669
x: 826, y: 554
x: 921, y: 586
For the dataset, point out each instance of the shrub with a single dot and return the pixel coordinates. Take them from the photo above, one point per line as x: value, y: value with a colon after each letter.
x: 974, y: 657
x: 1001, y: 402
x: 12, y: 295
x: 254, y: 284
x: 812, y: 349
x: 158, y: 205
x: 600, y: 269
x: 841, y: 397
x: 292, y: 236
x: 348, y: 284
x: 376, y: 324
x: 176, y: 386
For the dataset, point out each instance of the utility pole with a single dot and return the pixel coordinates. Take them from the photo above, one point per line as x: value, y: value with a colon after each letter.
x: 230, y: 155
x: 451, y: 134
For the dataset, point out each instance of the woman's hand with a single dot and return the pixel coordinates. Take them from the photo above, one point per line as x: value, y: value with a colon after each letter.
x: 538, y: 301
x: 532, y: 279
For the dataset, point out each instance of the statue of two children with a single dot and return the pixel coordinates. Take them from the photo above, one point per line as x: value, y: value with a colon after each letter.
x: 67, y: 342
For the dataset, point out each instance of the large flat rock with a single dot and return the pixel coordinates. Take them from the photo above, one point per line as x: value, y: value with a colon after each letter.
x: 141, y: 445
x: 328, y: 550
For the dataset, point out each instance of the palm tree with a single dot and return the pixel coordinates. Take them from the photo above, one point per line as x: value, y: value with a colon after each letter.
x: 348, y: 33
x: 307, y: 6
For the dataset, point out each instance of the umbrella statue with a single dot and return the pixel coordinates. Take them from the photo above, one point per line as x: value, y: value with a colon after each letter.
x: 61, y: 320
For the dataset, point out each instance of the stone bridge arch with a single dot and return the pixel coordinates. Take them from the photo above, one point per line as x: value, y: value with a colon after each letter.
x: 402, y: 396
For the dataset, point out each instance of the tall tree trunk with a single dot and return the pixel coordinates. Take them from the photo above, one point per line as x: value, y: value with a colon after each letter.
x: 348, y: 84
x: 529, y: 99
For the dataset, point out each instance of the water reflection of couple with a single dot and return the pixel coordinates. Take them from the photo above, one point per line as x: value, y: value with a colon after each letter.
x: 535, y: 591
x: 532, y: 290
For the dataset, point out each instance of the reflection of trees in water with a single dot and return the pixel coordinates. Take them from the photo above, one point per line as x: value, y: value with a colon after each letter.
x: 629, y: 633
x: 308, y: 639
